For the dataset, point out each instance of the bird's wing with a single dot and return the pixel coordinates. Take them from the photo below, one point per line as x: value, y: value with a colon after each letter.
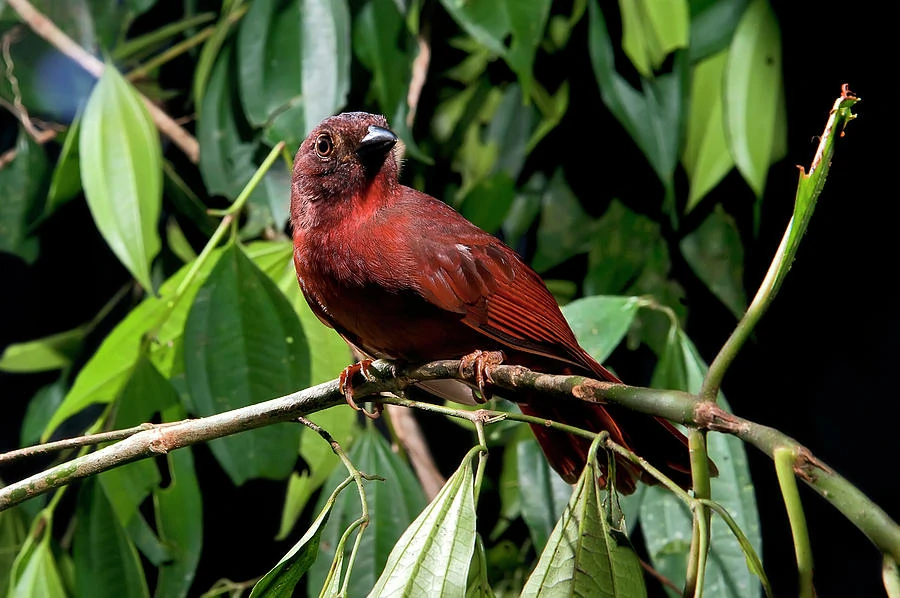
x: 498, y: 295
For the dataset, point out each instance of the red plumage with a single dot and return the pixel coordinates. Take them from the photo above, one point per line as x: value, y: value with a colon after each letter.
x: 401, y: 275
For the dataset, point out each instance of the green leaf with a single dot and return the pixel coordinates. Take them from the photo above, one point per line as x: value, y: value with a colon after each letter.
x: 525, y: 208
x: 178, y: 243
x: 13, y: 530
x: 244, y: 345
x: 527, y: 22
x: 376, y: 29
x: 752, y: 92
x: 23, y: 181
x: 510, y: 495
x: 666, y: 521
x: 35, y: 572
x: 716, y: 255
x: 121, y: 170
x: 106, y: 562
x: 653, y: 118
x: 294, y: 65
x: 712, y: 25
x: 565, y: 229
x: 623, y: 248
x: 281, y: 579
x: 651, y: 29
x: 179, y: 519
x: 487, y: 21
x: 52, y: 352
x: 601, y: 322
x: 40, y: 409
x: 65, y: 183
x: 543, y: 495
x: 706, y: 157
x: 478, y: 585
x: 488, y: 203
x: 432, y: 557
x: 393, y: 504
x: 210, y: 55
x: 587, y: 554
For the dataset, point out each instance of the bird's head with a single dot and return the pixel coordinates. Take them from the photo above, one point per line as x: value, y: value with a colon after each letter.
x: 341, y: 161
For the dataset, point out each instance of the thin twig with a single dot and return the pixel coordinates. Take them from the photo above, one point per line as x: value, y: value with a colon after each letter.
x: 48, y: 30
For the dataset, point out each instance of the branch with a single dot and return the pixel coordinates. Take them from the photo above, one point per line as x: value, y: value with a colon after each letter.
x: 48, y: 30
x: 680, y: 407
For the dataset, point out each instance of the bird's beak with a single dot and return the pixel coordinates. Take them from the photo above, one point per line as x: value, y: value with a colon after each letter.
x: 375, y: 145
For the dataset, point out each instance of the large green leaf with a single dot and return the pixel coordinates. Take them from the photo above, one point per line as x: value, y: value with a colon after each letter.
x: 23, y: 180
x: 487, y: 21
x: 715, y: 253
x: 393, y: 504
x: 666, y: 520
x: 601, y: 322
x: 527, y: 20
x: 294, y: 64
x: 211, y: 54
x: 653, y: 117
x: 40, y: 355
x: 35, y: 572
x: 244, y: 345
x: 712, y: 24
x: 13, y: 530
x: 433, y: 555
x: 651, y: 29
x: 65, y: 184
x: 106, y: 561
x: 121, y: 170
x: 565, y: 229
x: 588, y: 554
x: 377, y: 26
x: 753, y: 91
x: 705, y: 156
x: 543, y: 495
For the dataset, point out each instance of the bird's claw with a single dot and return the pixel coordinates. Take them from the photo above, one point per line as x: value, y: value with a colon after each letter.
x: 482, y: 362
x: 345, y: 384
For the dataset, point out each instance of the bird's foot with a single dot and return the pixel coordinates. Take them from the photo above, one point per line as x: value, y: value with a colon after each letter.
x: 345, y: 384
x: 482, y: 362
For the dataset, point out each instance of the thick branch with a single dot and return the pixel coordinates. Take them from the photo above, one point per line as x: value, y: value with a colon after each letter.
x: 677, y: 406
x: 48, y: 30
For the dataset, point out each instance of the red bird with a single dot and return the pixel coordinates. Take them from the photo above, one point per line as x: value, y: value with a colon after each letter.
x: 401, y: 275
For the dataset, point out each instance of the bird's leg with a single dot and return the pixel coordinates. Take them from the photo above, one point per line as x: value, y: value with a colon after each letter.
x: 482, y: 362
x: 345, y: 384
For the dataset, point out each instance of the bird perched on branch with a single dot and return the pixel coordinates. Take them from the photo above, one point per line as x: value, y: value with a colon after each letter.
x: 402, y: 276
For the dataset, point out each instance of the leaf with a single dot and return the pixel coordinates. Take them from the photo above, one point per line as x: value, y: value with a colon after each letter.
x: 44, y: 354
x: 106, y: 562
x: 527, y: 22
x: 601, y: 322
x: 716, y: 255
x: 179, y: 519
x: 178, y: 243
x: 510, y: 495
x: 13, y: 531
x: 651, y: 29
x: 121, y: 171
x: 712, y: 26
x: 565, y: 229
x: 487, y: 21
x: 488, y: 203
x: 752, y: 91
x: 376, y: 29
x: 393, y: 504
x: 706, y: 157
x: 40, y: 409
x: 653, y: 118
x: 244, y: 345
x: 65, y: 183
x: 478, y: 585
x: 294, y: 65
x: 433, y: 555
x: 587, y: 554
x: 210, y: 55
x: 281, y: 579
x: 622, y: 251
x: 543, y: 495
x: 23, y: 182
x: 666, y: 521
x: 526, y: 206
x: 35, y: 572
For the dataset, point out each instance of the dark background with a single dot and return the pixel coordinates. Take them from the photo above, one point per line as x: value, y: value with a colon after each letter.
x: 820, y: 367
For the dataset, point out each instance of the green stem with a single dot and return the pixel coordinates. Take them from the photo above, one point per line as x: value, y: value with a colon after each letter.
x: 700, y: 528
x: 141, y: 43
x: 784, y: 468
x: 482, y: 458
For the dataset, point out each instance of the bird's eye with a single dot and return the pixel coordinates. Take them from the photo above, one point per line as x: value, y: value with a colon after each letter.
x: 324, y: 145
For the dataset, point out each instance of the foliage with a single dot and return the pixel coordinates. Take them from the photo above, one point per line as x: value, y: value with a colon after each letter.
x: 695, y: 85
